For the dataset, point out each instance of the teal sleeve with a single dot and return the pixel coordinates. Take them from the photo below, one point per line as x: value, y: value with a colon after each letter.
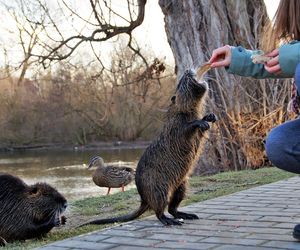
x: 241, y: 64
x: 289, y: 57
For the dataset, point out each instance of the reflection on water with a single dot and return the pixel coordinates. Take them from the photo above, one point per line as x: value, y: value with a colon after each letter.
x: 65, y: 170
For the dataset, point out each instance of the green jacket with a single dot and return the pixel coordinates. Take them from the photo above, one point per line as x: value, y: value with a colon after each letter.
x: 241, y: 62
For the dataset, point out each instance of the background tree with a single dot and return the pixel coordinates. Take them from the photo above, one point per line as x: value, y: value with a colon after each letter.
x: 247, y: 108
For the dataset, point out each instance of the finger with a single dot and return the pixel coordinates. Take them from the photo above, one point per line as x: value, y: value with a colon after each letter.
x: 222, y: 63
x: 219, y: 58
x: 219, y: 53
x: 274, y: 61
x: 274, y: 69
x: 215, y: 55
x: 213, y: 58
x: 278, y: 72
x: 273, y: 53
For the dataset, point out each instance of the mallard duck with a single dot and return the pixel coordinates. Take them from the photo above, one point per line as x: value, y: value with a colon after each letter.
x: 111, y: 176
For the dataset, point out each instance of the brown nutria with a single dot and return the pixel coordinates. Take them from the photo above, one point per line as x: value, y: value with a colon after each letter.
x: 28, y: 211
x: 162, y: 172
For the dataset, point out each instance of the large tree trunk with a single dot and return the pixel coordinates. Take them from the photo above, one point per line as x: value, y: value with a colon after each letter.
x: 247, y: 108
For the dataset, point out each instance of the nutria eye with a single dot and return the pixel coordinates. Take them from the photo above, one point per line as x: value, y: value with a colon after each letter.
x: 173, y: 99
x: 34, y: 190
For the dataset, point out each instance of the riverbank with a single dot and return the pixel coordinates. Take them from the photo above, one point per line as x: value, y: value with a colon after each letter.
x: 73, y: 147
x: 201, y: 188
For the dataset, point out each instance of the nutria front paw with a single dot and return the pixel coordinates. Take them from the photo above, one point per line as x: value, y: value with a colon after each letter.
x: 203, y: 125
x: 210, y: 118
x: 63, y: 220
x: 2, y: 242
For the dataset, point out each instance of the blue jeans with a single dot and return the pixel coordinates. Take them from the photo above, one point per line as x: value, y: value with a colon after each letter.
x: 283, y: 141
x: 283, y: 146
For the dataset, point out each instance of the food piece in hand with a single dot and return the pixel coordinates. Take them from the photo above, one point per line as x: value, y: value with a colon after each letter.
x: 202, y: 70
x: 259, y: 57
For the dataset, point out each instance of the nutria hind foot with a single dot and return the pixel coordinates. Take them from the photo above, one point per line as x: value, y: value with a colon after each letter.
x: 185, y: 216
x: 169, y: 221
x: 210, y: 118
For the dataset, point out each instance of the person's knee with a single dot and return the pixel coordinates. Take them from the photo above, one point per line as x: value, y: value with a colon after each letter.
x: 275, y: 147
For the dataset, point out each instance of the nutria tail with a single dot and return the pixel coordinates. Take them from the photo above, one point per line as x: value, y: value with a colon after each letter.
x: 124, y: 218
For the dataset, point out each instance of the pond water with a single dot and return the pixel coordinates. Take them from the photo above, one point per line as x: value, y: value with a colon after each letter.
x: 66, y: 170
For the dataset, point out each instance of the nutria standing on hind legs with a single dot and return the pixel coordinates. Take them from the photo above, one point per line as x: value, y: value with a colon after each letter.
x: 28, y: 211
x: 162, y: 172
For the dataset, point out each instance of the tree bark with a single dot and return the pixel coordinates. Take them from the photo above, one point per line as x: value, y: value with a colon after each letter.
x: 194, y: 29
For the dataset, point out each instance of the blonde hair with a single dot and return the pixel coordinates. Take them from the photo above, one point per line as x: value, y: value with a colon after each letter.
x: 284, y: 27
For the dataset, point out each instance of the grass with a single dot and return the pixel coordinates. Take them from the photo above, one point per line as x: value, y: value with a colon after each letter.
x: 201, y: 188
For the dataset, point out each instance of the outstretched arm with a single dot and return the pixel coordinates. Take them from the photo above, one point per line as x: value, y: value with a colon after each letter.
x: 237, y: 60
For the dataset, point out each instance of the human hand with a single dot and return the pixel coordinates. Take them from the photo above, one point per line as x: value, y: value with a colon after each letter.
x: 221, y: 57
x: 272, y: 66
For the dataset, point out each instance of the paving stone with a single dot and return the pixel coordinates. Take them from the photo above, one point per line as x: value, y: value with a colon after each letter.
x: 283, y: 245
x: 52, y: 247
x: 207, y: 206
x: 236, y: 217
x: 245, y: 204
x: 222, y: 211
x: 237, y: 224
x: 135, y: 234
x: 267, y: 236
x: 185, y: 245
x: 232, y: 247
x: 279, y: 219
x: 93, y: 237
x: 207, y: 227
x: 138, y: 248
x: 270, y: 213
x: 183, y: 230
x: 222, y: 234
x: 136, y: 225
x: 285, y: 225
x: 175, y: 237
x: 132, y: 241
x: 83, y: 245
x: 266, y: 230
x: 233, y: 241
x: 267, y: 209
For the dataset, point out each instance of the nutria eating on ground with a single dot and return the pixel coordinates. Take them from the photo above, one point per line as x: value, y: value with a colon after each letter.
x: 162, y: 172
x: 28, y: 211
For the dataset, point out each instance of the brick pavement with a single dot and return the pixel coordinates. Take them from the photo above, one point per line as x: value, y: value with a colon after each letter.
x: 260, y: 218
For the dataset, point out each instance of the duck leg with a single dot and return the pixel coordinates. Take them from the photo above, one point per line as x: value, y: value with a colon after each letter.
x: 123, y: 188
x: 108, y: 191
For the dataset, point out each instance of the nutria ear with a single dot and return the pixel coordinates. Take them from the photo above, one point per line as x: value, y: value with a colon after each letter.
x: 173, y: 99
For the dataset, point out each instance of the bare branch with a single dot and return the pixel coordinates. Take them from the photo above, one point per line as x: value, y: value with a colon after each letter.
x: 102, y: 30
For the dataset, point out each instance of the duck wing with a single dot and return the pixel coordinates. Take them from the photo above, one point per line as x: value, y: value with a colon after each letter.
x: 118, y: 174
x: 128, y: 169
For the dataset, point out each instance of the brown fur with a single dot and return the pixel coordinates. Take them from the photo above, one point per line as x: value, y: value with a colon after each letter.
x: 27, y: 211
x: 161, y: 174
